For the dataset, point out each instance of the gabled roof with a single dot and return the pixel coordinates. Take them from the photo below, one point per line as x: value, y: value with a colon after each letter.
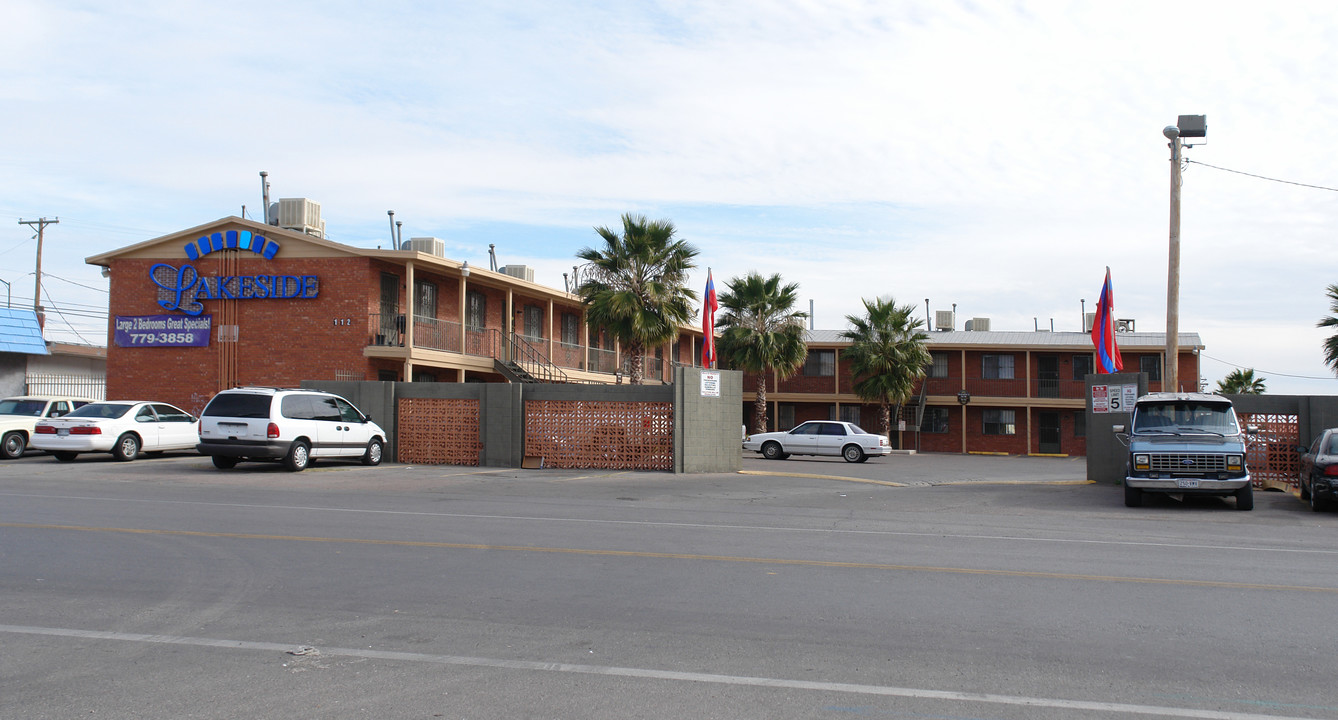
x: 295, y: 244
x: 20, y: 333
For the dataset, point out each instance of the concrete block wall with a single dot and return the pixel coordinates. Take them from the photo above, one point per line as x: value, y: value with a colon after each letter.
x: 707, y: 430
x: 1106, y: 455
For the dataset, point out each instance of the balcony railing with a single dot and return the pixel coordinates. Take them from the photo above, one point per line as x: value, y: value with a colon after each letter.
x: 387, y: 329
x: 605, y: 361
x: 1003, y: 387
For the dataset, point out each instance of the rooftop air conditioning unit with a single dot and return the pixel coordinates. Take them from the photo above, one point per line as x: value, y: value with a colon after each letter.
x: 1124, y: 325
x: 298, y: 214
x: 524, y: 272
x: 430, y: 245
x: 1087, y: 321
x: 978, y: 325
x: 945, y: 320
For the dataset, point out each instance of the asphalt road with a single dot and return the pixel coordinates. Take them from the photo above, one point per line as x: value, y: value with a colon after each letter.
x: 929, y: 586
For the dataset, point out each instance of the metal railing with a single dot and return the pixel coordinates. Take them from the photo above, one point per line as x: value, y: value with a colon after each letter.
x: 387, y: 329
x: 521, y: 353
x: 79, y: 386
x: 433, y: 334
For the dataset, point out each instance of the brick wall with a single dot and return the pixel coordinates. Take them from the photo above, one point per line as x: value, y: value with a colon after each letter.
x: 279, y: 341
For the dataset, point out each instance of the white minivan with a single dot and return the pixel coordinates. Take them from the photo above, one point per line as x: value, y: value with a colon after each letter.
x: 289, y: 425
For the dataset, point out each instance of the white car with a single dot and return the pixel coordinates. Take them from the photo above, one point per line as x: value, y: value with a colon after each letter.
x: 294, y: 426
x: 123, y: 428
x: 819, y: 437
x: 19, y: 416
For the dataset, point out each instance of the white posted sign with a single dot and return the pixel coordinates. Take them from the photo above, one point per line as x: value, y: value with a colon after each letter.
x: 710, y: 384
x: 1114, y: 398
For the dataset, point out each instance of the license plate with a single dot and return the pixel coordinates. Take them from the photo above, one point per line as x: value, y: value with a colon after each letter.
x: 62, y: 431
x: 1187, y: 483
x: 231, y: 428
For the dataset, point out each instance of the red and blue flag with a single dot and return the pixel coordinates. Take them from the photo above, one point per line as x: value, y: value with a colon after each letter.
x: 709, y: 306
x: 1108, y: 358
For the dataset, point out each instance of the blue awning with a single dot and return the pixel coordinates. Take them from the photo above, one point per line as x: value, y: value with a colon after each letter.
x: 20, y: 333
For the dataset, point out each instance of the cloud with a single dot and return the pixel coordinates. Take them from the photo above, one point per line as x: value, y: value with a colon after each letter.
x: 997, y: 156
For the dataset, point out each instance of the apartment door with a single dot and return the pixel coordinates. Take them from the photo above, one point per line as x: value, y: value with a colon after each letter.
x: 388, y: 332
x: 1047, y: 376
x: 1048, y: 433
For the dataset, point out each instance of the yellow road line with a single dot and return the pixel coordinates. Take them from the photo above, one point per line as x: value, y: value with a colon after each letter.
x: 692, y: 556
x: 823, y: 477
x: 890, y: 483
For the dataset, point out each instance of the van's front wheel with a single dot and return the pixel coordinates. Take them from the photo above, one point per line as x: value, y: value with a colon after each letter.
x: 1245, y: 498
x: 1133, y: 497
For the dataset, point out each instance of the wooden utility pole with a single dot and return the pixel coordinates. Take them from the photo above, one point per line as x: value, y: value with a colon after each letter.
x: 1171, y: 362
x: 37, y: 291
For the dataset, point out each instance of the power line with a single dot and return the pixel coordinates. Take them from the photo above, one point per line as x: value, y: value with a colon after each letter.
x: 1261, y: 370
x: 1261, y: 177
x: 90, y: 287
x: 65, y: 319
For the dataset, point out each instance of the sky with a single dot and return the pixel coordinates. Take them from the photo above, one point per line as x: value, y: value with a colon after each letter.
x: 993, y: 156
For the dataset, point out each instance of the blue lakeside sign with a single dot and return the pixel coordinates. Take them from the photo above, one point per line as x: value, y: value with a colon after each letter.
x: 185, y: 288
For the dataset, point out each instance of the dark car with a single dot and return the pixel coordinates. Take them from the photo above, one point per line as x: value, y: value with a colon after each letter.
x: 1319, y: 471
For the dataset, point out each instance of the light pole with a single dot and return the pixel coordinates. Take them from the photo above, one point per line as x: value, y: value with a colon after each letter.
x: 1187, y: 126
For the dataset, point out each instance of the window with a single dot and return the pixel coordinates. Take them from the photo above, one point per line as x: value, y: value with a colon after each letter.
x: 996, y: 367
x: 850, y: 414
x: 1080, y: 424
x: 935, y: 420
x: 939, y: 367
x: 167, y: 413
x: 1083, y: 365
x: 1150, y: 364
x: 571, y: 329
x: 999, y: 421
x: 424, y: 299
x: 820, y: 363
x: 534, y: 322
x: 785, y: 416
x: 476, y: 310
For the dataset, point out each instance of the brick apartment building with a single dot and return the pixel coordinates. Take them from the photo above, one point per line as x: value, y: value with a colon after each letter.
x: 1025, y: 392
x: 237, y: 302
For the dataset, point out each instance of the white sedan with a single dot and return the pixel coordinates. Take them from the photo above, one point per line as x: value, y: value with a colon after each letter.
x: 819, y: 437
x: 123, y: 428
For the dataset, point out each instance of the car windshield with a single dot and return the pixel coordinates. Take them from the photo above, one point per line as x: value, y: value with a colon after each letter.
x: 16, y: 406
x: 1175, y: 418
x: 857, y: 430
x: 101, y: 410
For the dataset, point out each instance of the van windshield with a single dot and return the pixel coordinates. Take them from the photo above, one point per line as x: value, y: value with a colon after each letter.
x: 1185, y: 417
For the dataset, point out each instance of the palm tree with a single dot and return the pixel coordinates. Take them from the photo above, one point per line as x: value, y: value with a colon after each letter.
x: 1241, y: 382
x: 1331, y: 344
x: 887, y: 355
x: 762, y: 332
x: 635, y: 288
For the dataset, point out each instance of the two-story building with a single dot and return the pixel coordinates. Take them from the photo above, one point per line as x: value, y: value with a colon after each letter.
x: 236, y: 302
x: 991, y: 392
